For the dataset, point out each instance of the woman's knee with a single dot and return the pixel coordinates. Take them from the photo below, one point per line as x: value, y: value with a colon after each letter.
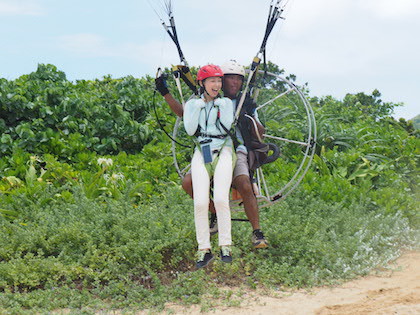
x: 221, y: 203
x: 201, y: 204
x: 201, y: 201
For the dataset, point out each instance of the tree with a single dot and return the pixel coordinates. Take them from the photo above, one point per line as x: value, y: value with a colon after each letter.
x: 370, y: 105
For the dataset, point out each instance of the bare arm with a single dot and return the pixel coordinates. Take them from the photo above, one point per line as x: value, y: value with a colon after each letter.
x: 175, y: 106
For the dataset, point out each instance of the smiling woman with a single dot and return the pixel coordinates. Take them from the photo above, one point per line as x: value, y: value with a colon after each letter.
x: 212, y: 161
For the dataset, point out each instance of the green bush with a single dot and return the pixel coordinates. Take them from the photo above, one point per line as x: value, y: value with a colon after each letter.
x: 92, y: 215
x: 44, y: 113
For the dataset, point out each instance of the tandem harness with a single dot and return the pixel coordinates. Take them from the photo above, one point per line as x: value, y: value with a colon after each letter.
x: 204, y: 145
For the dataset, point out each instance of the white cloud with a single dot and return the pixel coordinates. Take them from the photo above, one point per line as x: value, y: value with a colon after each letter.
x: 390, y: 8
x: 20, y: 7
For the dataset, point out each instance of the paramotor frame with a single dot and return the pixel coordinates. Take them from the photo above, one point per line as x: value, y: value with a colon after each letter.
x: 290, y: 124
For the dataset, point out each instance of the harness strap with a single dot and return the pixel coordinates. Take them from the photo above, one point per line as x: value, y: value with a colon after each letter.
x: 211, y: 167
x: 178, y: 85
x: 232, y: 135
x: 184, y: 73
x: 206, y: 135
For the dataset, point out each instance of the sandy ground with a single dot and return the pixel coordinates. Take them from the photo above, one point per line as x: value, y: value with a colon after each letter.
x: 393, y: 291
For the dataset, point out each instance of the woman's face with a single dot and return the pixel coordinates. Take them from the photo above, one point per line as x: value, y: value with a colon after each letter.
x: 213, y: 86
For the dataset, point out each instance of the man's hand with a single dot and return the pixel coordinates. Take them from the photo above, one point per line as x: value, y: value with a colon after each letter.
x: 249, y: 105
x: 161, y: 85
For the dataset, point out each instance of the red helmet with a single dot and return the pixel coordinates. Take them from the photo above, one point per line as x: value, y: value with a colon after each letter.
x: 209, y: 71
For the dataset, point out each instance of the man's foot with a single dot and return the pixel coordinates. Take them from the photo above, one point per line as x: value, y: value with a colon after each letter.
x: 213, y: 224
x: 258, y: 239
x: 204, y: 257
x: 226, y: 254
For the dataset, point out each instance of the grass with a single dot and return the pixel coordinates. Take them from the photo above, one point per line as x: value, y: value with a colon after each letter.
x: 104, y: 254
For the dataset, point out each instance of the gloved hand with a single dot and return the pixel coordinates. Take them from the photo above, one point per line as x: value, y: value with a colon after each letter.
x: 161, y: 85
x: 249, y: 105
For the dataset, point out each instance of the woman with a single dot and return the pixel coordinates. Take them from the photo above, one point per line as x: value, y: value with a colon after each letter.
x: 207, y: 118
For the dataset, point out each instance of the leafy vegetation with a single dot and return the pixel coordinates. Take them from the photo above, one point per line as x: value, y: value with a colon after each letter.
x: 44, y: 113
x: 416, y: 122
x: 92, y: 216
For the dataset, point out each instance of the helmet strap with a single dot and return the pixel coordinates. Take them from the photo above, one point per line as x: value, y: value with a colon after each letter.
x: 204, y: 87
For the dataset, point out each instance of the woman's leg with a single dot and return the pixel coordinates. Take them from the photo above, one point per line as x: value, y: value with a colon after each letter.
x: 222, y: 183
x: 201, y: 188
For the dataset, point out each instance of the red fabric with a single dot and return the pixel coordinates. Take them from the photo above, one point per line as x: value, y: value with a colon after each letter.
x: 209, y: 71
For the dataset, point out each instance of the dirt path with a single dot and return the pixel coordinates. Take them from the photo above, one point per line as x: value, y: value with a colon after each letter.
x: 391, y: 292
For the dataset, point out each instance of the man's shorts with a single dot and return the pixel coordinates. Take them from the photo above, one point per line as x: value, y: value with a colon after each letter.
x: 241, y: 166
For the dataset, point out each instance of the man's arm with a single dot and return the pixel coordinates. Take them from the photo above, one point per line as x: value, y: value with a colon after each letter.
x: 175, y: 106
x: 162, y: 87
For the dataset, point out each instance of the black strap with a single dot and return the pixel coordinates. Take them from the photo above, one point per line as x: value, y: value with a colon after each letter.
x: 206, y: 135
x: 161, y: 125
x: 235, y: 140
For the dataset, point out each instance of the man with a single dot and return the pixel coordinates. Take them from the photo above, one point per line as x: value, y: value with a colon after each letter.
x: 233, y: 79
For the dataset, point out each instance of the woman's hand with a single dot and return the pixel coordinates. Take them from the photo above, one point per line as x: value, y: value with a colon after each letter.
x: 200, y: 103
x: 219, y: 102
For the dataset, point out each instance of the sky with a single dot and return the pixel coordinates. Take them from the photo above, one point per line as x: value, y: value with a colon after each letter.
x: 336, y: 46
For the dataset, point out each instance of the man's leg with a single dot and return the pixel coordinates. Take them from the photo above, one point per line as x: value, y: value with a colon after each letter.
x: 187, y: 184
x: 242, y: 183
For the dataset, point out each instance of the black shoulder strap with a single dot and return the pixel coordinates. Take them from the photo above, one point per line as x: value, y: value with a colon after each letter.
x: 198, y: 131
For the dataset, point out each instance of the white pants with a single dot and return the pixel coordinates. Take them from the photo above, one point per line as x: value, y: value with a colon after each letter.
x: 201, y: 187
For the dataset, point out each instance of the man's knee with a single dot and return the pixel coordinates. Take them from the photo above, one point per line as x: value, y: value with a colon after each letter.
x: 187, y: 184
x: 243, y: 185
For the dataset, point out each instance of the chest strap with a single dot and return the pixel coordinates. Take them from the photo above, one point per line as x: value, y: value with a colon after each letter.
x: 205, y: 135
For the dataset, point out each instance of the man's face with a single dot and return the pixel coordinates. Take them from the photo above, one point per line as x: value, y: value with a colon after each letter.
x: 232, y: 84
